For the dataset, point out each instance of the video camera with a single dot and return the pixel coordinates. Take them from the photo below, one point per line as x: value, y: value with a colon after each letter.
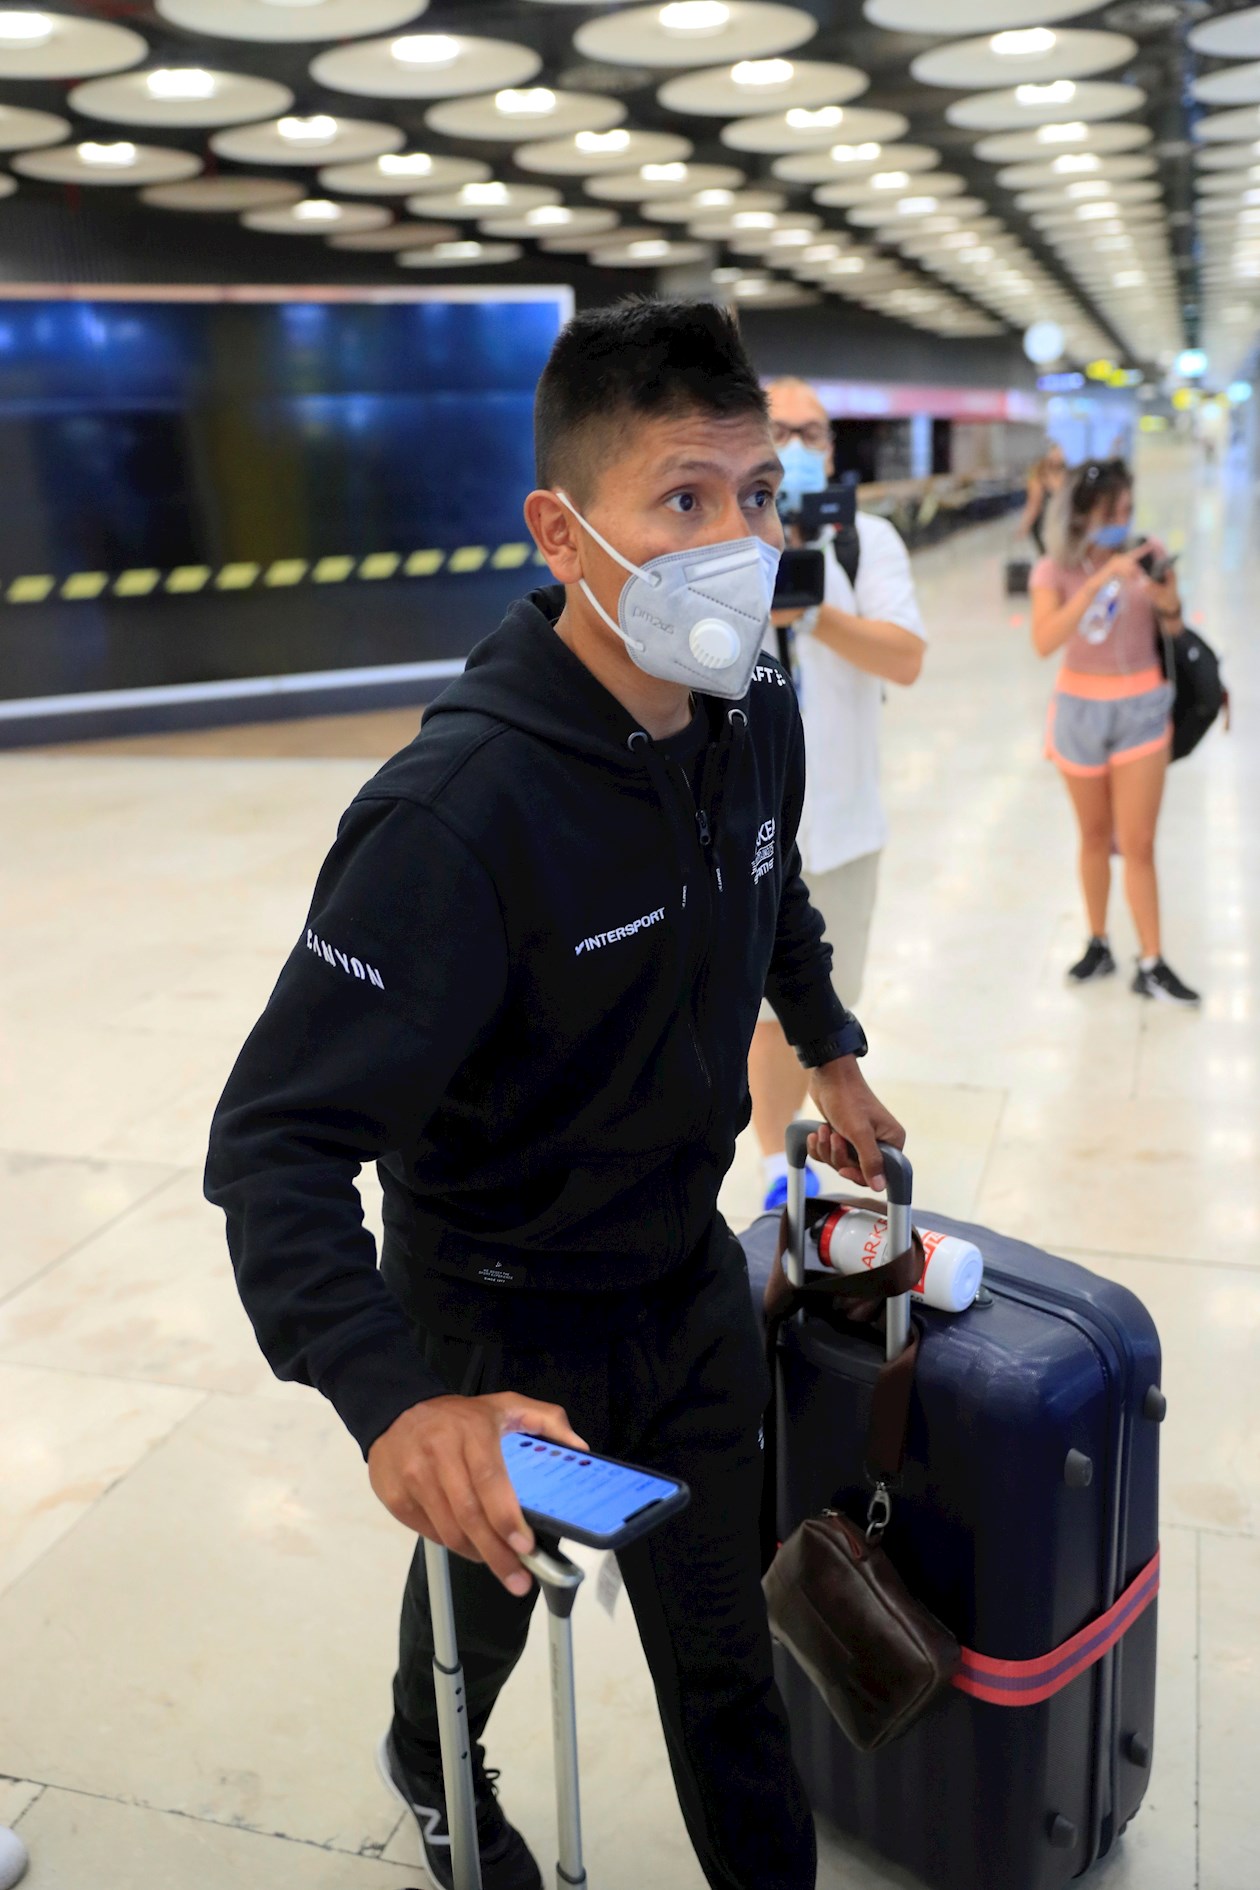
x: 803, y: 570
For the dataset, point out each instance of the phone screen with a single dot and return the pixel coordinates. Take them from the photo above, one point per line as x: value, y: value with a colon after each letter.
x: 589, y: 1492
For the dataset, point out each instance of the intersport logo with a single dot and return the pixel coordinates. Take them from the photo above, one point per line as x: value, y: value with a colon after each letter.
x: 619, y: 932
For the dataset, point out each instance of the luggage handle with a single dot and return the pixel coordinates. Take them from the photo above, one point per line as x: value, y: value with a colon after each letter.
x: 899, y: 1176
x: 559, y: 1579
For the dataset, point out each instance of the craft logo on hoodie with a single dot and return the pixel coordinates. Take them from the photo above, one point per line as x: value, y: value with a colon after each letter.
x: 763, y: 858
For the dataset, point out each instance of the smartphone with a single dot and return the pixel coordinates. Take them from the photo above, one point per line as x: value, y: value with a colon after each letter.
x: 1155, y: 567
x: 589, y: 1499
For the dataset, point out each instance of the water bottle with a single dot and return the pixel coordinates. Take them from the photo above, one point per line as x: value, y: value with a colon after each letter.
x: 1098, y: 621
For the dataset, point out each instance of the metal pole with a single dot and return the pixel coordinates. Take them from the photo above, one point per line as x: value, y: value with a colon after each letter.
x: 452, y: 1707
x: 560, y: 1580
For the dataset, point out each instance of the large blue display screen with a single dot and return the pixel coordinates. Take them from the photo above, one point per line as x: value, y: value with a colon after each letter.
x: 163, y: 434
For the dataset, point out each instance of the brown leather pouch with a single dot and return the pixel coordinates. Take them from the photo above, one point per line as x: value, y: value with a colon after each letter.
x: 835, y: 1601
x: 838, y: 1605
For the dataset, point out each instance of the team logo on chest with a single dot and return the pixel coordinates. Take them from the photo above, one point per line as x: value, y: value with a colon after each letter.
x: 763, y: 858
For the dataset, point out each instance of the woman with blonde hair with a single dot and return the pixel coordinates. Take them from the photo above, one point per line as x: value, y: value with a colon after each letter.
x: 1105, y: 600
x: 1045, y: 481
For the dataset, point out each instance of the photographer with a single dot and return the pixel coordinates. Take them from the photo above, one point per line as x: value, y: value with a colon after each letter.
x: 866, y: 632
x: 1105, y: 598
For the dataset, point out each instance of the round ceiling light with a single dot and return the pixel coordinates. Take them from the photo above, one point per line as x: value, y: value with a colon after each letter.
x: 515, y: 113
x: 934, y: 184
x: 853, y: 161
x: 553, y: 219
x: 1071, y: 165
x: 805, y: 128
x: 1225, y: 127
x: 464, y: 254
x: 1232, y: 85
x: 317, y: 139
x: 586, y: 154
x: 396, y: 236
x: 401, y: 173
x: 1231, y: 36
x: 694, y: 33
x: 218, y: 195
x: 291, y: 20
x: 488, y: 198
x: 316, y: 216
x: 649, y: 252
x: 674, y: 178
x: 21, y: 130
x: 1034, y: 55
x: 180, y: 95
x: 35, y: 44
x: 1057, y: 100
x: 759, y: 85
x: 426, y: 65
x: 1046, y: 141
x: 714, y: 205
x: 117, y: 161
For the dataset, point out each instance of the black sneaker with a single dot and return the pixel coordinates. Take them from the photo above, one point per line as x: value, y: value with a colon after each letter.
x: 1097, y: 962
x: 506, y: 1861
x: 1162, y: 983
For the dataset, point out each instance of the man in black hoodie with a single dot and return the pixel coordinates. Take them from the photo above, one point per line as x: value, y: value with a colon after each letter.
x: 526, y: 989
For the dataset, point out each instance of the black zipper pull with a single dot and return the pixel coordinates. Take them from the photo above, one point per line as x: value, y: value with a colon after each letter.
x: 702, y: 824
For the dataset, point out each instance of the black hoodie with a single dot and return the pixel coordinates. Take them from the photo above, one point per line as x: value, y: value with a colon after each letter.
x: 526, y: 987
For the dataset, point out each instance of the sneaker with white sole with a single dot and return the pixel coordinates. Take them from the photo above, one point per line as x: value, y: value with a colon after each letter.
x: 1161, y: 982
x: 506, y: 1861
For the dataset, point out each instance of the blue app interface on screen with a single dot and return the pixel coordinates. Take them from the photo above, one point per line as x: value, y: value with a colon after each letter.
x: 592, y: 1494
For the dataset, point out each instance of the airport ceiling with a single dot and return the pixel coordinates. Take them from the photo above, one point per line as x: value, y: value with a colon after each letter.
x: 1094, y: 168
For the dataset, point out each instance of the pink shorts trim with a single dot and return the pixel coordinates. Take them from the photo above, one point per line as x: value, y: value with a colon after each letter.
x: 1143, y: 749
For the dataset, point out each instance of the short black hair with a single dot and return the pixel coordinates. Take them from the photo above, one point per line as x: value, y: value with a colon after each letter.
x: 638, y: 357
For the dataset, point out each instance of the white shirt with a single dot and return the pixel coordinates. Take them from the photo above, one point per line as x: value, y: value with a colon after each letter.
x: 840, y: 704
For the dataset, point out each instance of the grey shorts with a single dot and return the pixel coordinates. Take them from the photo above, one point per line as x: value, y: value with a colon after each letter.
x: 1085, y: 736
x: 846, y: 899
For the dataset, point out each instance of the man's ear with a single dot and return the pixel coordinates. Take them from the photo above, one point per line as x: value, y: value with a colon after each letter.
x: 556, y: 533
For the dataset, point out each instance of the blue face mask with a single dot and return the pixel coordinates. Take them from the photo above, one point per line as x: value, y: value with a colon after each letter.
x: 1110, y: 537
x: 804, y: 470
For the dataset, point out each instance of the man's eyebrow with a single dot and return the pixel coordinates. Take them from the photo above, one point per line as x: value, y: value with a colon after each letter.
x: 764, y: 468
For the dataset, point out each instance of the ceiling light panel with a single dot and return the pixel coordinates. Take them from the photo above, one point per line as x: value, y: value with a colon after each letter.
x: 489, y: 198
x: 971, y: 16
x: 804, y: 128
x: 1057, y: 101
x: 653, y: 180
x: 584, y: 156
x: 426, y: 65
x: 316, y: 216
x: 313, y: 138
x: 840, y: 161
x: 402, y: 173
x: 299, y: 20
x: 759, y: 85
x: 220, y: 196
x: 694, y: 33
x: 518, y: 112
x: 464, y: 253
x: 22, y: 130
x: 1067, y: 54
x: 108, y: 162
x: 42, y: 44
x: 175, y: 95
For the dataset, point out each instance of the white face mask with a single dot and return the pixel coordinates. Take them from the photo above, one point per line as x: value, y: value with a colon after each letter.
x: 694, y: 617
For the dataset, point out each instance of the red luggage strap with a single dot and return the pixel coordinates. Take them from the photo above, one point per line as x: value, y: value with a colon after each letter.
x: 1028, y: 1682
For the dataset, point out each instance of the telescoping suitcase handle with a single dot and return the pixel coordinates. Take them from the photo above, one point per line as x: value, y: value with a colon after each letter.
x: 559, y: 1580
x: 899, y: 1176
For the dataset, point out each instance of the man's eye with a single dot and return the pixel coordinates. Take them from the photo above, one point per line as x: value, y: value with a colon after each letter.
x: 762, y: 498
x: 682, y: 501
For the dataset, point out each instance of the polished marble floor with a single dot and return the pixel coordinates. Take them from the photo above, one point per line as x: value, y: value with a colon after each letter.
x: 197, y: 1589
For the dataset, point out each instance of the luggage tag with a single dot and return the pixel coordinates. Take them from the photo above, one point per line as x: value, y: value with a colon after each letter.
x: 608, y: 1584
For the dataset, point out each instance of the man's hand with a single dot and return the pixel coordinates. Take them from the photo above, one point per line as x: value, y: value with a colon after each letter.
x: 857, y: 1122
x: 439, y: 1469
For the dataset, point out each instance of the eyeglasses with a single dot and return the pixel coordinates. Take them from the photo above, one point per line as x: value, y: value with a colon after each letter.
x: 813, y: 433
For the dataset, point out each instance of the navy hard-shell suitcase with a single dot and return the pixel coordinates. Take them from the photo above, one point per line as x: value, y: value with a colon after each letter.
x: 1025, y: 1520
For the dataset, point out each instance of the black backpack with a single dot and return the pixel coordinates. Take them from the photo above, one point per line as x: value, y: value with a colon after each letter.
x: 1193, y: 668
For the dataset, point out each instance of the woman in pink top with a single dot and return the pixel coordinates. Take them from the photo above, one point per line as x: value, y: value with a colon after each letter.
x: 1109, y: 729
